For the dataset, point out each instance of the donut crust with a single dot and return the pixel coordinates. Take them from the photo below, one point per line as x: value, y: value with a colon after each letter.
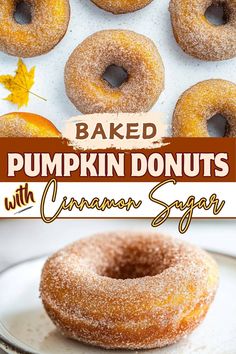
x: 137, y: 54
x: 128, y: 290
x: 200, y: 103
x: 49, y: 24
x: 19, y: 124
x: 121, y: 6
x: 197, y: 36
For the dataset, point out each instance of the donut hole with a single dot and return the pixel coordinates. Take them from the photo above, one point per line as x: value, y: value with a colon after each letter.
x: 115, y: 75
x: 134, y: 262
x: 23, y: 13
x: 216, y: 14
x: 217, y: 126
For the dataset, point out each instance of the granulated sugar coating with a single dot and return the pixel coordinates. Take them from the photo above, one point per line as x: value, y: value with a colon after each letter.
x: 48, y: 26
x: 200, y: 103
x: 197, y: 36
x: 121, y: 6
x: 26, y: 125
x: 135, y: 53
x: 128, y: 290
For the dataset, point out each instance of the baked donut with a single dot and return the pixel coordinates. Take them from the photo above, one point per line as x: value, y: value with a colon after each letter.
x: 135, y: 53
x: 121, y: 6
x: 21, y: 124
x: 128, y: 290
x: 48, y: 26
x: 200, y: 103
x: 197, y: 36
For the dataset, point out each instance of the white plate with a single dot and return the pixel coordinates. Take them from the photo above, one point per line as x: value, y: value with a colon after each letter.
x: 25, y: 327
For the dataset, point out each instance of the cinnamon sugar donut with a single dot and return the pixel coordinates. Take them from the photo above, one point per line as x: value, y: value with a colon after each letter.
x: 128, y: 290
x: 197, y: 36
x: 48, y: 26
x: 200, y: 103
x: 137, y: 54
x: 20, y: 124
x: 121, y: 6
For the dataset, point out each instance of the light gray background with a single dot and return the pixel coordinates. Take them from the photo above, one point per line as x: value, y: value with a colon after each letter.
x: 21, y: 239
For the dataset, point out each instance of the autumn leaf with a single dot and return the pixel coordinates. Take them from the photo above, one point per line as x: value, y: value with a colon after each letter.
x: 19, y: 85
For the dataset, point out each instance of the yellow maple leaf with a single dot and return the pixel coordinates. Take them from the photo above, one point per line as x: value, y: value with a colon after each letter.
x: 19, y: 85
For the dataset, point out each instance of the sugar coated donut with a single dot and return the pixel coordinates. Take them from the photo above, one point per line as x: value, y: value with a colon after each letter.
x: 200, y: 103
x: 47, y: 27
x: 199, y: 37
x: 137, y: 54
x: 26, y: 125
x: 128, y: 290
x: 121, y: 6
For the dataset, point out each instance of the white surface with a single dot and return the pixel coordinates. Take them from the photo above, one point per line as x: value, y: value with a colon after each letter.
x: 26, y: 320
x: 22, y: 239
x: 182, y: 71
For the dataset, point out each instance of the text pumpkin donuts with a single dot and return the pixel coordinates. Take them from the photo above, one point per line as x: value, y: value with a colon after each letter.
x: 21, y: 124
x: 121, y: 6
x: 199, y: 37
x: 47, y: 27
x: 200, y: 103
x: 128, y: 290
x: 91, y: 93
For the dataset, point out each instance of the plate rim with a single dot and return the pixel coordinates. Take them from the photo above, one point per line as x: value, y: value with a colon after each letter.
x: 6, y: 344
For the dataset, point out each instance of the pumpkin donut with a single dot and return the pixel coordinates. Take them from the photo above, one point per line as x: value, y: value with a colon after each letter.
x: 200, y: 103
x: 48, y: 26
x: 135, y: 53
x: 121, y: 6
x: 197, y: 36
x: 128, y: 290
x: 26, y: 125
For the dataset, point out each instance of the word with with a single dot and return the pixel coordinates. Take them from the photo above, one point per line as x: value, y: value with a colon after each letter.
x: 22, y: 197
